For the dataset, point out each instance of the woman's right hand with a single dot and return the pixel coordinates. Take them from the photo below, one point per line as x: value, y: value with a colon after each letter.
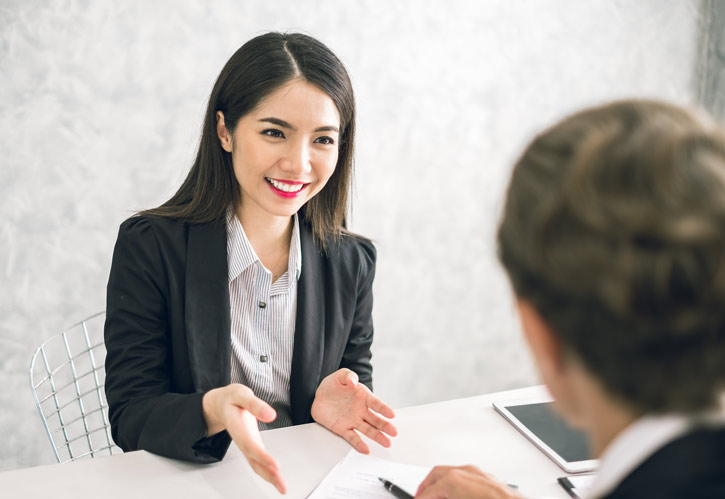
x: 236, y: 409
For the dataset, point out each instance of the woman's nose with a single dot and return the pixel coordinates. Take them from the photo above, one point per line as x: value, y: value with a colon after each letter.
x: 297, y: 159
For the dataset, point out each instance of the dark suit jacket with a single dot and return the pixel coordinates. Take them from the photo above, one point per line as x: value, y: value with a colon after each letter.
x: 167, y: 330
x: 691, y: 467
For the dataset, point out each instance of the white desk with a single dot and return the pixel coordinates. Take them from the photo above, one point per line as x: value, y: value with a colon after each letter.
x: 463, y: 431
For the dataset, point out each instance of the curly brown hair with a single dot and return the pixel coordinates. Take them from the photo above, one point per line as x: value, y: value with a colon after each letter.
x: 614, y: 230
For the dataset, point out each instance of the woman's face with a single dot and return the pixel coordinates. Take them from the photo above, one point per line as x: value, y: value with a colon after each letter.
x: 285, y: 150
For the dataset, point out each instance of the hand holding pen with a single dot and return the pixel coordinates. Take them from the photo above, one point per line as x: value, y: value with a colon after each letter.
x: 464, y: 481
x: 394, y: 489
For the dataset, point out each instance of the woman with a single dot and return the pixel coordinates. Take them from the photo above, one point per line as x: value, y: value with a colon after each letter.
x: 243, y: 299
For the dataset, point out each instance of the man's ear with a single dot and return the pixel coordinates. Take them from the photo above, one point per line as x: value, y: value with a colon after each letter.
x: 545, y: 346
x: 562, y: 373
x: 225, y: 137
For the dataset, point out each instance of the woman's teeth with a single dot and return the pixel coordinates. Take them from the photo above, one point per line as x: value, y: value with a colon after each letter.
x: 285, y: 187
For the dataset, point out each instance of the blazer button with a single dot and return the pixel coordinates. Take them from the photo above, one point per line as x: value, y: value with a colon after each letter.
x: 263, y: 358
x: 262, y: 304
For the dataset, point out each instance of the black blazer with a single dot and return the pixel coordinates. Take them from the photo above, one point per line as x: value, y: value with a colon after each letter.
x: 692, y: 467
x: 167, y: 330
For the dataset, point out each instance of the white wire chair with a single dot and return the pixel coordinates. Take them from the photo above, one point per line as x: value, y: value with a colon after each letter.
x: 69, y: 369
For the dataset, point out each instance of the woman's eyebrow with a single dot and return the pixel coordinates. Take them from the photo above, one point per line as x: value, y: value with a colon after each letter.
x: 278, y: 122
x: 328, y: 128
x: 284, y: 124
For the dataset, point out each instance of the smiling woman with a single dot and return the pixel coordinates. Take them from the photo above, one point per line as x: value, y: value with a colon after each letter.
x: 285, y: 148
x: 242, y: 303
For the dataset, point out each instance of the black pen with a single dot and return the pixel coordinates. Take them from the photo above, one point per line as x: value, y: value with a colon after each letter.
x: 568, y: 486
x: 394, y: 489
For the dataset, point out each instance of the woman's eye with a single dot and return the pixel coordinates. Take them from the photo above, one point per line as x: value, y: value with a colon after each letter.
x: 325, y: 140
x: 273, y: 132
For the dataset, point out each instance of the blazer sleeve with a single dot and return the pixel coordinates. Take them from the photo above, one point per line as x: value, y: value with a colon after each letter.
x: 144, y: 413
x: 357, y: 353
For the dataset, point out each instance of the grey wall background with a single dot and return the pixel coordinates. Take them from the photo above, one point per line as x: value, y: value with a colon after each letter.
x: 711, y: 61
x: 101, y: 103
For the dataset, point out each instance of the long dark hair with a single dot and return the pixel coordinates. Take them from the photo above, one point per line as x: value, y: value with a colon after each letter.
x: 258, y: 68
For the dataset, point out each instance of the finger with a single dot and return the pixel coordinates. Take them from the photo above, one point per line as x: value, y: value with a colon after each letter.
x: 245, y: 433
x: 373, y: 434
x: 357, y: 442
x: 253, y: 451
x: 244, y: 397
x: 272, y: 476
x: 442, y: 490
x: 431, y: 493
x: 465, y: 481
x: 379, y: 406
x: 475, y: 470
x: 434, y: 475
x: 381, y: 424
x: 348, y: 377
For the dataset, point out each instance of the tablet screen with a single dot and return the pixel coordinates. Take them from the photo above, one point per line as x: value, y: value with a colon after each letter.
x: 542, y: 421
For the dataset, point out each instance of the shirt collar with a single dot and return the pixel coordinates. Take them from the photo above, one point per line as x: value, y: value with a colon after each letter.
x: 295, y: 248
x: 637, y: 442
x: 241, y: 255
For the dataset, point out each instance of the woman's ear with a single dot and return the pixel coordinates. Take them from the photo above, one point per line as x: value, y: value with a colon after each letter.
x: 225, y: 137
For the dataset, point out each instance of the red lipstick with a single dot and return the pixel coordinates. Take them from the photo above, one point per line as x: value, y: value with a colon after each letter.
x: 283, y: 193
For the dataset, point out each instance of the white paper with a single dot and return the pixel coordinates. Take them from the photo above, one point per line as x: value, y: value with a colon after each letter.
x: 356, y: 476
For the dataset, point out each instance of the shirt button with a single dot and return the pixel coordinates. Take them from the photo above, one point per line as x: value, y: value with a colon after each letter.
x: 262, y: 304
x: 263, y: 358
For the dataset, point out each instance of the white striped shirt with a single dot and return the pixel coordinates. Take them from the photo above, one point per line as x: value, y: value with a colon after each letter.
x: 263, y: 320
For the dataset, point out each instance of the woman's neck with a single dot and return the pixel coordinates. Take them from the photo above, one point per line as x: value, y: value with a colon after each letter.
x: 270, y: 237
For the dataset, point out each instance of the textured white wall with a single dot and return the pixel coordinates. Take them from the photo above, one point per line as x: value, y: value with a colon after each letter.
x: 101, y: 103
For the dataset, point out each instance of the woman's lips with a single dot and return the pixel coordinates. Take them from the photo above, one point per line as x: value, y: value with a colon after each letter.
x: 286, y: 188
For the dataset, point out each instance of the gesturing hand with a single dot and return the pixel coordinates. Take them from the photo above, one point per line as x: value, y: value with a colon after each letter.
x: 345, y: 406
x: 452, y: 482
x: 235, y: 408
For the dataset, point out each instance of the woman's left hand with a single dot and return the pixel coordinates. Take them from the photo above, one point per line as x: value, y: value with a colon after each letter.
x: 346, y: 406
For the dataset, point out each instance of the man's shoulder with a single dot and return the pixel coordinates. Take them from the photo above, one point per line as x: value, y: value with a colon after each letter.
x: 691, y: 466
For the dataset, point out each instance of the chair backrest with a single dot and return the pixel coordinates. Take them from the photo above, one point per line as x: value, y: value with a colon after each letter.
x: 66, y: 376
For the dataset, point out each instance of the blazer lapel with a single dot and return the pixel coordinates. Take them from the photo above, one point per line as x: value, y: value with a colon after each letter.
x: 208, y: 323
x: 309, y: 329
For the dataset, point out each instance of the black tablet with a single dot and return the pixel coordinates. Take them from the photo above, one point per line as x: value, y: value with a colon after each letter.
x: 536, y: 419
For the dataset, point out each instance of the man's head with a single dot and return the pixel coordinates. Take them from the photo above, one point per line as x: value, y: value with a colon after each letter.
x: 613, y: 235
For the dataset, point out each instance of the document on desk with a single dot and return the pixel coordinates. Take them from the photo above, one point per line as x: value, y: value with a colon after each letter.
x: 356, y: 476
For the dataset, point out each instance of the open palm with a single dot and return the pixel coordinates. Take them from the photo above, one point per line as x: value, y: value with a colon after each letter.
x: 346, y: 407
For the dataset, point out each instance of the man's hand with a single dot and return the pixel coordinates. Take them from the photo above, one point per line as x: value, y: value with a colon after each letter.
x: 452, y: 482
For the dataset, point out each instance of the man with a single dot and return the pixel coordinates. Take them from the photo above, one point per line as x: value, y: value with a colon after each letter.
x: 613, y: 237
